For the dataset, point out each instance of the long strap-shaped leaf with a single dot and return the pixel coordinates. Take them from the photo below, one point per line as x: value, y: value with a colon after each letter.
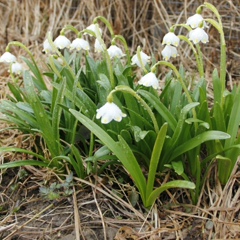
x: 41, y: 115
x: 157, y: 149
x: 120, y: 149
x: 198, y: 140
x: 159, y: 106
x: 173, y: 184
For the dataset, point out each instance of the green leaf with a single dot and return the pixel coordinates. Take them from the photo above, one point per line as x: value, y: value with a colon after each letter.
x: 198, y: 140
x: 22, y: 163
x: 159, y: 106
x: 157, y: 149
x: 173, y: 184
x: 120, y: 149
x: 41, y: 116
x: 20, y: 150
x: 217, y: 87
x: 224, y: 168
x: 178, y: 167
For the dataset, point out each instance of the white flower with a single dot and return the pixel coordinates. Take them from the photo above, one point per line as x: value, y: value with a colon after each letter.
x: 115, y: 51
x: 144, y: 57
x: 94, y: 28
x: 195, y: 20
x: 98, y: 46
x: 7, y: 57
x: 108, y: 112
x: 62, y: 42
x: 171, y: 39
x: 16, y: 68
x: 198, y: 35
x: 149, y: 80
x: 168, y: 52
x: 47, y: 48
x: 79, y: 44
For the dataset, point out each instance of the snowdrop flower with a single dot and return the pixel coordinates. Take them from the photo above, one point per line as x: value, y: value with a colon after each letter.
x: 144, y: 57
x: 108, y: 112
x: 16, y: 68
x: 98, y: 46
x: 47, y: 48
x: 198, y: 35
x: 62, y: 42
x: 115, y: 51
x: 79, y: 44
x: 7, y: 57
x: 168, y: 52
x: 195, y: 20
x: 149, y: 80
x: 93, y: 28
x: 171, y: 39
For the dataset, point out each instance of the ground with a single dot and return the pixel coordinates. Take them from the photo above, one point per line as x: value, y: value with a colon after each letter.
x: 99, y: 209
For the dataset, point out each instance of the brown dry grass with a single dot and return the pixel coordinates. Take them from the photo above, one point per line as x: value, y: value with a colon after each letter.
x: 94, y: 208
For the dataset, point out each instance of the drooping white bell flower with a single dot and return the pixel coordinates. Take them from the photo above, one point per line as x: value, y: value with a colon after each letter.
x: 144, y: 57
x: 108, y: 112
x: 94, y: 28
x: 171, y: 39
x: 62, y: 42
x: 198, y: 35
x: 79, y: 44
x: 7, y: 57
x: 195, y: 20
x: 115, y: 51
x: 47, y: 48
x: 168, y: 52
x: 16, y: 68
x: 149, y: 80
x: 98, y: 46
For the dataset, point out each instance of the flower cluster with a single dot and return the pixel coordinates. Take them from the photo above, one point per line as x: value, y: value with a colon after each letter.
x: 197, y: 34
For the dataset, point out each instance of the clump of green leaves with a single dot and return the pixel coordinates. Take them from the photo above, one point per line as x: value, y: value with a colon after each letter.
x: 96, y: 109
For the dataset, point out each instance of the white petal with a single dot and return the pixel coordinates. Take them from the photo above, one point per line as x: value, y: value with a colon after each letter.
x: 98, y: 46
x: 79, y: 44
x: 115, y: 51
x: 149, y: 80
x: 171, y: 39
x: 198, y: 35
x: 16, y: 68
x: 195, y: 20
x: 168, y: 52
x: 109, y: 112
x: 145, y: 59
x: 7, y: 57
x: 62, y: 42
x: 94, y: 28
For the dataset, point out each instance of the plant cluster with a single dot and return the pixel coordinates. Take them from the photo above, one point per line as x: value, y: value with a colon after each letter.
x: 96, y: 109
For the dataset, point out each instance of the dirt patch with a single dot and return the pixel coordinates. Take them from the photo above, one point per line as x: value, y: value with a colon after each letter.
x: 98, y: 211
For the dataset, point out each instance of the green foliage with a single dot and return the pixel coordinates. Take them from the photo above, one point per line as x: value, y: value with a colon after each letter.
x: 176, y: 128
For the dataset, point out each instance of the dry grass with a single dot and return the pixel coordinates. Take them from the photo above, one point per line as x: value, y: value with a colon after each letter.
x: 96, y: 210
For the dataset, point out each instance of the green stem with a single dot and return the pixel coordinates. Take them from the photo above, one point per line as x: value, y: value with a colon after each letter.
x: 106, y: 22
x: 197, y: 57
x: 127, y: 89
x: 108, y: 60
x: 71, y: 28
x: 179, y: 77
x: 219, y: 26
x: 200, y: 61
